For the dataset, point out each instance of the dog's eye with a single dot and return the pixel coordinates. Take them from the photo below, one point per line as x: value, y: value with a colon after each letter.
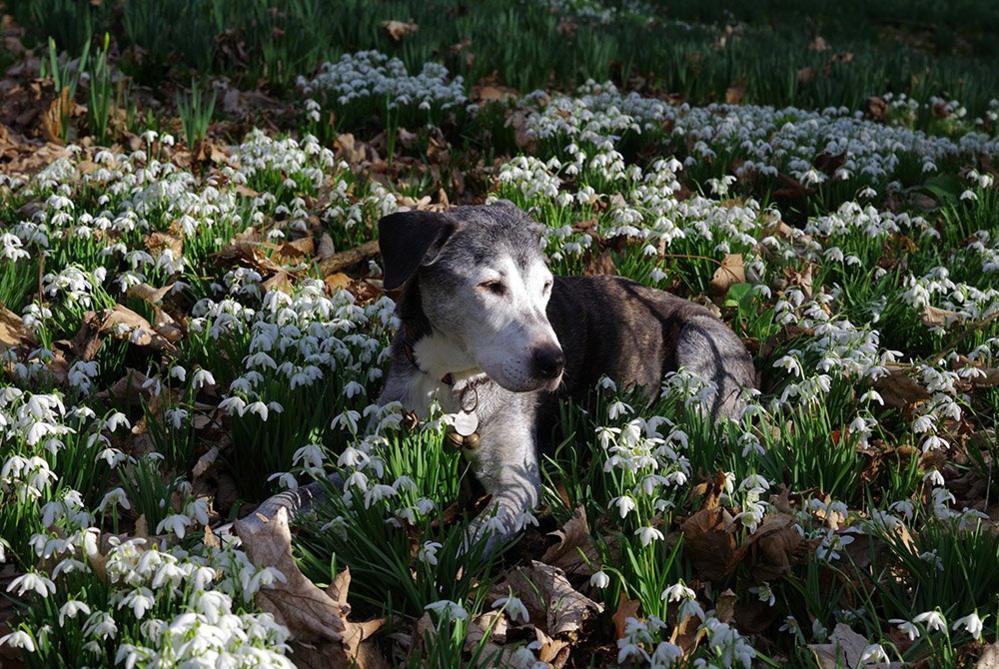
x: 548, y: 287
x: 495, y: 287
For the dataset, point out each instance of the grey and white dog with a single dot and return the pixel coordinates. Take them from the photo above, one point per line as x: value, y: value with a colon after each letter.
x: 488, y: 331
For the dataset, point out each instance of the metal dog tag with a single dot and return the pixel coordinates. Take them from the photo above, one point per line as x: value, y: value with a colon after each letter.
x: 465, y: 423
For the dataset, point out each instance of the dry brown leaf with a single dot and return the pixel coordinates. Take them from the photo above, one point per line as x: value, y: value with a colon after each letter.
x: 158, y: 242
x: 776, y: 546
x: 123, y: 323
x: 710, y: 543
x: 877, y: 107
x: 549, y: 596
x: 844, y: 649
x: 205, y: 462
x: 298, y: 248
x: 725, y: 606
x: 553, y: 651
x: 13, y: 334
x: 493, y: 93
x: 311, y: 615
x: 732, y: 271
x: 148, y: 294
x: 338, y: 281
x: 806, y: 74
x: 899, y: 390
x: 399, y: 29
x: 734, y: 93
x: 575, y: 552
x: 626, y: 608
x: 936, y: 317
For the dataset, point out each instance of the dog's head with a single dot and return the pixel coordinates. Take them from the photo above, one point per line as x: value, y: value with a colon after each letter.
x: 483, y: 286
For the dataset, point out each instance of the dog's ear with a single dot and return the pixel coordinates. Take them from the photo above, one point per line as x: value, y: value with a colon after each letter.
x: 409, y: 239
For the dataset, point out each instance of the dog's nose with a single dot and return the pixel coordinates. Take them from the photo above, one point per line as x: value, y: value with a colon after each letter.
x: 548, y: 361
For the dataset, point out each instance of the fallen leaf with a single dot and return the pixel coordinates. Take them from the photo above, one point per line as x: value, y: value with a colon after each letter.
x: 575, y: 552
x: 123, y: 323
x: 732, y: 271
x: 309, y: 613
x: 936, y: 317
x: 899, y: 390
x: 148, y: 294
x: 845, y: 649
x: 13, y: 334
x: 338, y: 281
x: 710, y: 543
x: 775, y: 547
x: 399, y: 29
x: 549, y: 596
x: 725, y: 606
x: 877, y: 107
x: 734, y: 93
x: 626, y: 608
x: 158, y: 242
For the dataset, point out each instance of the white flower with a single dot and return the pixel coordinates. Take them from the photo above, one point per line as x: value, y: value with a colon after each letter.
x: 445, y: 608
x: 34, y: 582
x: 600, y: 579
x: 176, y: 523
x: 934, y: 621
x: 624, y: 504
x: 678, y: 591
x: 648, y: 535
x: 428, y: 552
x: 874, y: 653
x: 514, y: 608
x: 202, y: 378
x: 972, y: 623
x: 139, y: 600
x: 19, y: 639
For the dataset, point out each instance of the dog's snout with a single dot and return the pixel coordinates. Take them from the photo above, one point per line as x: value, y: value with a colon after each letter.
x: 548, y: 361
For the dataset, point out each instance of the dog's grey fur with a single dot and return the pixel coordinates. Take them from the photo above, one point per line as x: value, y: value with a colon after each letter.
x: 462, y: 339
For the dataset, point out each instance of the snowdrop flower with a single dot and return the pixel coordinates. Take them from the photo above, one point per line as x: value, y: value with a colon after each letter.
x: 600, y: 579
x: 972, y: 623
x: 678, y: 591
x: 624, y: 504
x: 115, y: 497
x: 202, y: 378
x: 18, y: 639
x: 514, y: 608
x: 34, y: 582
x: 648, y: 535
x: 933, y: 620
x: 428, y: 552
x: 874, y: 653
x: 176, y: 523
x: 446, y: 608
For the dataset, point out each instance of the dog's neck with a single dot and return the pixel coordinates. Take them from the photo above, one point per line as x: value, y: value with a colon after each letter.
x: 432, y: 352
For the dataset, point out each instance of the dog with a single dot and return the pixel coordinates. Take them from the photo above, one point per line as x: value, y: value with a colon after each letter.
x: 488, y: 332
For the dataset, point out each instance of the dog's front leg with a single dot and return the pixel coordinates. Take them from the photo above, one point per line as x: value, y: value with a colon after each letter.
x: 506, y: 463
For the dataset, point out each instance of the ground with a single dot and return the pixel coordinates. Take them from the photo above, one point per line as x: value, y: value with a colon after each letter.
x: 192, y: 320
